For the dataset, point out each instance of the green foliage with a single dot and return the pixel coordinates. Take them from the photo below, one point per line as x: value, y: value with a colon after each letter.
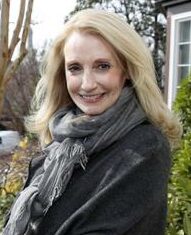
x: 182, y: 104
x: 5, y: 203
x: 8, y: 191
x: 179, y: 197
x: 187, y: 223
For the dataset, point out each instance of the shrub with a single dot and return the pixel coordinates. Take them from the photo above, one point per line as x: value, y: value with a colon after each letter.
x: 14, y: 174
x: 5, y: 203
x: 179, y: 196
x: 182, y: 104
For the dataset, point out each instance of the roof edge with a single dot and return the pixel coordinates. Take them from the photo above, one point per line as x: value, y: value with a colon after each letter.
x: 168, y: 3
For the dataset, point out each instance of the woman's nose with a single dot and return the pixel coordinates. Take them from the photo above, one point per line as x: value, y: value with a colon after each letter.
x: 88, y: 81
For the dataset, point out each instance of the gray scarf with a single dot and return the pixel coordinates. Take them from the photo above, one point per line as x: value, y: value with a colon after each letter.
x: 75, y: 138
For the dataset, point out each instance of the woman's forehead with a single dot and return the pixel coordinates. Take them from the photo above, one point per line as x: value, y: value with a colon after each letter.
x: 84, y: 44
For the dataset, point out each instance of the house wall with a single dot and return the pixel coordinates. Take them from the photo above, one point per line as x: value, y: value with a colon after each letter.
x: 169, y: 3
x: 184, y: 7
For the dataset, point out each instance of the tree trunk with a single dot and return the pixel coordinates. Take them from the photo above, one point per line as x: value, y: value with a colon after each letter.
x: 2, y: 92
x: 8, y: 66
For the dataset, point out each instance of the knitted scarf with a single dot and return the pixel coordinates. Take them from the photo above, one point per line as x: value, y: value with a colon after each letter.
x: 75, y: 138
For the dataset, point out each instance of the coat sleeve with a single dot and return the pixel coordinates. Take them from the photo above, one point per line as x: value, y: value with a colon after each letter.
x: 132, y: 203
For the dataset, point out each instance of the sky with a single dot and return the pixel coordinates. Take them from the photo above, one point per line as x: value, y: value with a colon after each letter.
x: 47, y: 18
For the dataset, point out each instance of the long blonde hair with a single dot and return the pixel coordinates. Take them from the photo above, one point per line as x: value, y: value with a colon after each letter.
x: 51, y: 92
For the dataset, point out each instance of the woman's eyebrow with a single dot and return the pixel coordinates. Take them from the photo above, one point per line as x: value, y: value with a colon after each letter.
x: 103, y: 60
x: 71, y: 62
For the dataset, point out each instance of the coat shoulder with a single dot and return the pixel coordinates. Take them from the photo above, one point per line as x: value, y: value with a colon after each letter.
x: 145, y: 138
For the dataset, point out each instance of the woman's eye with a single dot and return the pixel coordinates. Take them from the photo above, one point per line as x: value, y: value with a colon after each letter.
x: 104, y: 66
x: 74, y: 69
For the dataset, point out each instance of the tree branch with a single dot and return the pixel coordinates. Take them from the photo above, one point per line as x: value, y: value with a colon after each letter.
x: 13, y: 67
x: 4, y: 36
x: 23, y: 51
x: 26, y: 27
x: 15, y: 38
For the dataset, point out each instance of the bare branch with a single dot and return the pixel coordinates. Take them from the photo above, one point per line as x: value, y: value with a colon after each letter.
x: 7, y: 67
x: 15, y: 37
x: 4, y: 36
x: 13, y: 67
x: 26, y: 26
x: 23, y: 51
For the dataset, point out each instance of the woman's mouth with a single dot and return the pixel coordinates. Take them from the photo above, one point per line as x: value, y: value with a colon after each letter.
x: 92, y: 98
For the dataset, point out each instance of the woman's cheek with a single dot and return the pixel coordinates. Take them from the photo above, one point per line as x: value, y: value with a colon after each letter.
x: 73, y: 83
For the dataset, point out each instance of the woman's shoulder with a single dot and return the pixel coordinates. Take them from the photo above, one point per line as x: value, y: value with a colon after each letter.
x: 145, y: 137
x: 145, y: 143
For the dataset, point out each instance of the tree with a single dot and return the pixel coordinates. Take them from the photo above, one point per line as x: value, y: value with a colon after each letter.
x: 19, y: 93
x: 9, y: 64
x: 143, y: 16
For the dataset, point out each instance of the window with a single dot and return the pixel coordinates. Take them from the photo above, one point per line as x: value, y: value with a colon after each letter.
x: 180, y: 52
x: 184, y: 49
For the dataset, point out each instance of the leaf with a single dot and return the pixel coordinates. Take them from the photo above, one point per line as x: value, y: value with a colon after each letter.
x: 187, y: 224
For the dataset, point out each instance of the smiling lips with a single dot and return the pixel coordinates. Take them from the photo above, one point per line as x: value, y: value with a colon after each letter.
x: 92, y: 98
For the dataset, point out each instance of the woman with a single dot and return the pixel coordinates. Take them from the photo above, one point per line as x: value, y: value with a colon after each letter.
x: 106, y: 135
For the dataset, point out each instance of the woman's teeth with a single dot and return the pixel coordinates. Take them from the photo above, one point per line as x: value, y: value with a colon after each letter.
x: 92, y: 97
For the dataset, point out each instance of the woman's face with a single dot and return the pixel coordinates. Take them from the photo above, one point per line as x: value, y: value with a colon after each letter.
x: 94, y: 78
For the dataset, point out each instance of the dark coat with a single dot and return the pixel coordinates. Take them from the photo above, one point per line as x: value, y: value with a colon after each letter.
x: 123, y: 190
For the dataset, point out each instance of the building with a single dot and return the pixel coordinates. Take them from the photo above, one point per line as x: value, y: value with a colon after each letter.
x: 178, y: 53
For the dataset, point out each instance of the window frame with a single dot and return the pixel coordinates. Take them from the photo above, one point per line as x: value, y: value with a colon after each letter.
x: 174, y: 52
